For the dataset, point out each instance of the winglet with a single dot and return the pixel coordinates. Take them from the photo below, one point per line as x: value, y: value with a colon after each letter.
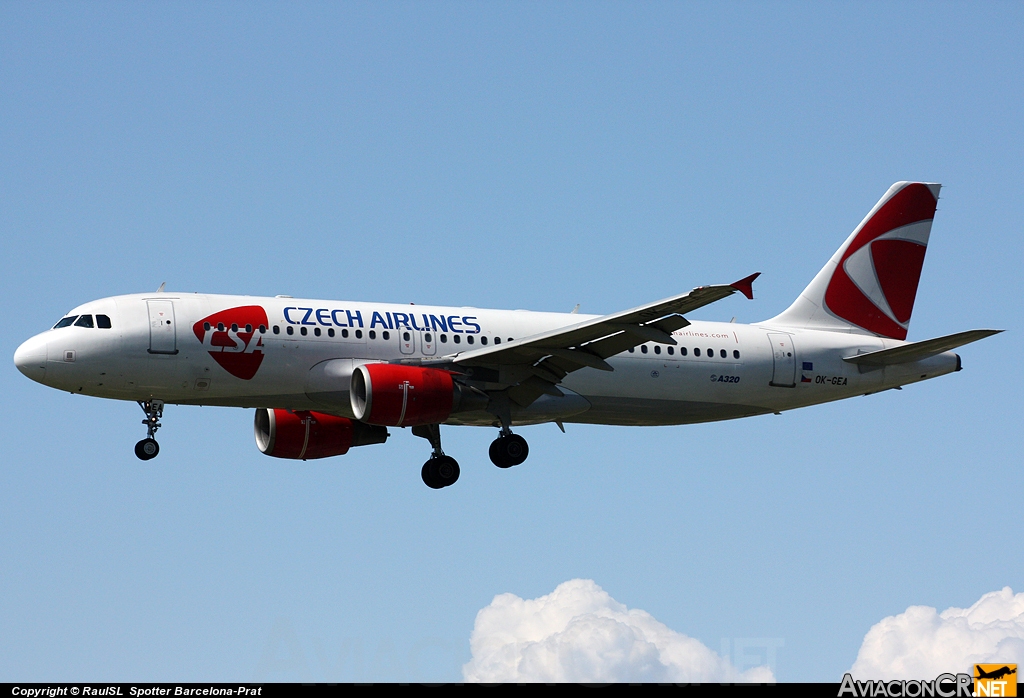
x: 746, y: 286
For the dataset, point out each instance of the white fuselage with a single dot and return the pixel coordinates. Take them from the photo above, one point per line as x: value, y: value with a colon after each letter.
x: 156, y: 349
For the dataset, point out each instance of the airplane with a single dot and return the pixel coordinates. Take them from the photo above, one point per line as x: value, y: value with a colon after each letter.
x: 327, y: 376
x: 995, y: 674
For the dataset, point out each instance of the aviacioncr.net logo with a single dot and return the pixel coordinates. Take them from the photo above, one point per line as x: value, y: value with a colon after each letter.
x: 233, y: 339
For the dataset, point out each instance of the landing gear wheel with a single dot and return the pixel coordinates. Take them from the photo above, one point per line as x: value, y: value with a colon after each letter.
x: 440, y: 471
x: 147, y: 449
x: 509, y: 450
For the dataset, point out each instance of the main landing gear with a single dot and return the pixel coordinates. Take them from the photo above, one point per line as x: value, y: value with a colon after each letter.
x: 508, y: 449
x: 148, y: 448
x: 441, y: 470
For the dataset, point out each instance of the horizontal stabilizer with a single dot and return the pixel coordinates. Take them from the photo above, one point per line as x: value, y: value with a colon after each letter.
x: 915, y: 351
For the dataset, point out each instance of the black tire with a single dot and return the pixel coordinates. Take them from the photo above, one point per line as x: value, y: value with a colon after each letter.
x: 429, y: 479
x: 445, y: 470
x: 497, y: 453
x: 517, y: 449
x: 147, y: 449
x: 509, y: 451
x: 439, y: 472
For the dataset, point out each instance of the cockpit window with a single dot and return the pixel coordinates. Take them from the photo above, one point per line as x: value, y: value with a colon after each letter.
x: 84, y: 321
x: 103, y: 322
x: 64, y: 322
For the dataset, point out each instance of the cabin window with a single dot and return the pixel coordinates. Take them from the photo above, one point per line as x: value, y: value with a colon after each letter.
x: 373, y: 334
x: 277, y: 330
x: 483, y: 340
x: 344, y: 333
x: 290, y: 330
x: 671, y: 351
x: 303, y: 331
x: 248, y: 328
x: 234, y: 327
x: 736, y: 354
x: 469, y: 339
x: 330, y: 331
x: 103, y: 322
x: 456, y: 338
x: 385, y: 334
x: 657, y: 348
x: 696, y: 351
x: 631, y: 350
x: 643, y: 348
x: 359, y: 334
x: 220, y: 326
x: 405, y: 336
x: 206, y: 326
x: 263, y: 329
x: 682, y: 351
x: 316, y: 331
x: 427, y: 339
x: 711, y: 353
x: 444, y: 339
x: 84, y: 321
x: 497, y: 340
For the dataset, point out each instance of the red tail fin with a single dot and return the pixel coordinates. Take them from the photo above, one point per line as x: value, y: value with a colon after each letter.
x: 870, y: 283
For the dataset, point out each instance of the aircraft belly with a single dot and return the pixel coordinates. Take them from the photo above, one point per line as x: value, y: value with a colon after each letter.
x: 655, y: 412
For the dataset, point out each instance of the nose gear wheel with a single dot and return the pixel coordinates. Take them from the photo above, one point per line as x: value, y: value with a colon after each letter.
x: 148, y: 448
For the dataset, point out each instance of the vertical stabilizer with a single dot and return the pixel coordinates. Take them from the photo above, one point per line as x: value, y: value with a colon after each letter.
x: 869, y: 285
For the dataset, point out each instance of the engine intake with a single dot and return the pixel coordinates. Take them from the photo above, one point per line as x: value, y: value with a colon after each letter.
x: 406, y: 396
x: 304, y: 435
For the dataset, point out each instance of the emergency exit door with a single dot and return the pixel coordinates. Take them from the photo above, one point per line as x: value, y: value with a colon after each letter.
x: 406, y: 341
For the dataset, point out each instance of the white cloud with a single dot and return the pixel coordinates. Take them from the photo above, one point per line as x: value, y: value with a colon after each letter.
x: 921, y: 643
x: 580, y: 633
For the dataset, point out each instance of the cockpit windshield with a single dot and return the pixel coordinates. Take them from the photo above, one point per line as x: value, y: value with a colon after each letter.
x: 102, y: 321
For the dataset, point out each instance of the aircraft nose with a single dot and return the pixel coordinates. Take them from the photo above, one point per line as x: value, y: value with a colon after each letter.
x: 30, y: 358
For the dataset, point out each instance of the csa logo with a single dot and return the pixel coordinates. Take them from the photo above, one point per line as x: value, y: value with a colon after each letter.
x: 876, y: 282
x: 233, y: 339
x: 995, y: 679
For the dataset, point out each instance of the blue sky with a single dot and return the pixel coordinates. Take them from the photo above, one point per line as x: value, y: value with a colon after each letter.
x: 531, y: 155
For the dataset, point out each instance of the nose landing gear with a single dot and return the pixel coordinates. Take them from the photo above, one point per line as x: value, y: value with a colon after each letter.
x: 441, y: 470
x: 148, y: 448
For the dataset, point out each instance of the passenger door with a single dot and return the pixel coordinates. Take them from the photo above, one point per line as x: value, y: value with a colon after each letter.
x: 163, y: 337
x: 784, y: 356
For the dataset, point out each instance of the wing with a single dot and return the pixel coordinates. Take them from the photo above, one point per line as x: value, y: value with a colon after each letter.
x: 532, y: 366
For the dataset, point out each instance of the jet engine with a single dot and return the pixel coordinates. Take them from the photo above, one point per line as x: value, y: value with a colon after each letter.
x: 304, y: 435
x: 406, y: 396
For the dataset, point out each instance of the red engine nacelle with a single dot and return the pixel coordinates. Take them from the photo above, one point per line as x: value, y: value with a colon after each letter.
x: 306, y: 435
x: 403, y: 396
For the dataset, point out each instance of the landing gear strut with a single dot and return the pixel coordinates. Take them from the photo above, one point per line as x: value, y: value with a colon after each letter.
x: 508, y: 449
x: 148, y: 448
x: 441, y: 470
